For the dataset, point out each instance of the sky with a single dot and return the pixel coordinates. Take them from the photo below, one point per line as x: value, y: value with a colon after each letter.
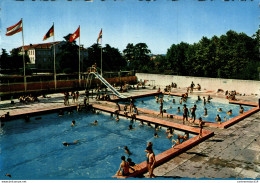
x: 158, y: 23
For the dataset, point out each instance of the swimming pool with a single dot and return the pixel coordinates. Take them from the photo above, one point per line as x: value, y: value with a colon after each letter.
x: 212, y: 107
x: 34, y: 149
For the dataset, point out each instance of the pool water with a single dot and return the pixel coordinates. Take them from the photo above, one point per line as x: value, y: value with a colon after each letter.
x: 212, y: 107
x: 34, y: 149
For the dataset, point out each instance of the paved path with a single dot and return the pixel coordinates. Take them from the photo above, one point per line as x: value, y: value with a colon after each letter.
x: 232, y: 153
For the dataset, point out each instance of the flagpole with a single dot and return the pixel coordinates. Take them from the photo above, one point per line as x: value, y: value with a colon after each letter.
x: 79, y: 58
x: 25, y: 87
x: 101, y: 53
x: 54, y: 66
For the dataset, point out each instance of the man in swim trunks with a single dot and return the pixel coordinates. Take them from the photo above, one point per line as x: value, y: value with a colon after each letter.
x: 185, y: 113
x: 193, y: 115
x: 124, y: 166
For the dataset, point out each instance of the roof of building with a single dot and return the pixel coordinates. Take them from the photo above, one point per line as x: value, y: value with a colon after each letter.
x: 40, y: 46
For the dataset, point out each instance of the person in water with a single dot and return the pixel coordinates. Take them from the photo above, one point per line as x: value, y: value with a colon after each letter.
x: 229, y: 112
x: 205, y: 111
x: 218, y: 119
x: 185, y: 114
x: 127, y: 151
x: 73, y: 123
x: 69, y: 143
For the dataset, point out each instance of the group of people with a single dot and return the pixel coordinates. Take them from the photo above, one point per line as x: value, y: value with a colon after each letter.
x: 192, y: 87
x: 73, y: 94
x: 28, y: 98
x: 128, y: 166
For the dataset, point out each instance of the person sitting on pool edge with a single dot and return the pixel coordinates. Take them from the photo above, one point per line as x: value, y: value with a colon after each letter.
x: 179, y: 137
x: 132, y: 164
x: 68, y: 143
x: 124, y: 166
x: 218, y: 119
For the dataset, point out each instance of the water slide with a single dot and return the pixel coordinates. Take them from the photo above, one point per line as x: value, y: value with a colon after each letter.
x: 108, y: 85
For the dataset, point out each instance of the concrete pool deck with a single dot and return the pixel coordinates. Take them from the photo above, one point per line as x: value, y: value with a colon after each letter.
x: 231, y: 153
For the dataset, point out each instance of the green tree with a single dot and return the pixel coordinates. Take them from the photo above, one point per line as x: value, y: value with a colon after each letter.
x: 112, y: 59
x: 4, y: 60
x: 68, y: 57
x: 138, y: 56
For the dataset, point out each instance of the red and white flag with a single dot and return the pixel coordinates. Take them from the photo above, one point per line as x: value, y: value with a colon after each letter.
x: 75, y: 35
x: 15, y: 28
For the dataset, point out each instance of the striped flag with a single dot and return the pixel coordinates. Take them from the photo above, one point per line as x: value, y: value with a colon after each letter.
x: 75, y: 35
x: 49, y: 33
x: 15, y: 28
x: 99, y: 36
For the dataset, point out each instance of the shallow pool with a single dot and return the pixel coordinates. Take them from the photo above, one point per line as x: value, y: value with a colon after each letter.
x: 212, y: 107
x: 34, y: 149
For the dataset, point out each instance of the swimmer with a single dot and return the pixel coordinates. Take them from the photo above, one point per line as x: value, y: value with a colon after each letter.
x: 218, y: 119
x: 185, y: 113
x: 205, y: 111
x: 130, y: 127
x: 204, y: 101
x: 173, y: 101
x: 225, y: 118
x: 178, y: 110
x: 73, y: 123
x: 199, y: 98
x: 193, y: 115
x: 141, y: 123
x: 241, y: 111
x: 181, y: 101
x: 68, y: 144
x: 8, y: 175
x: 219, y: 109
x: 155, y: 135
x: 95, y: 123
x: 229, y: 112
x: 127, y: 151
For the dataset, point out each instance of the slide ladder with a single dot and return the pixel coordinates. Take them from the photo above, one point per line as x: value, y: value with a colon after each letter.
x: 108, y: 85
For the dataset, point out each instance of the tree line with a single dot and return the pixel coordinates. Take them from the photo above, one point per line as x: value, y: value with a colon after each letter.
x: 232, y: 55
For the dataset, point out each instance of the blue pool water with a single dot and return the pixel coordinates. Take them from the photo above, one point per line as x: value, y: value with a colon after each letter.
x: 212, y: 107
x: 34, y: 150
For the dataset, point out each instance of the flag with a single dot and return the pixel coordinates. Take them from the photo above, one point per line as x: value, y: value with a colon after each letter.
x: 15, y: 28
x: 49, y: 33
x: 75, y: 35
x: 99, y: 36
